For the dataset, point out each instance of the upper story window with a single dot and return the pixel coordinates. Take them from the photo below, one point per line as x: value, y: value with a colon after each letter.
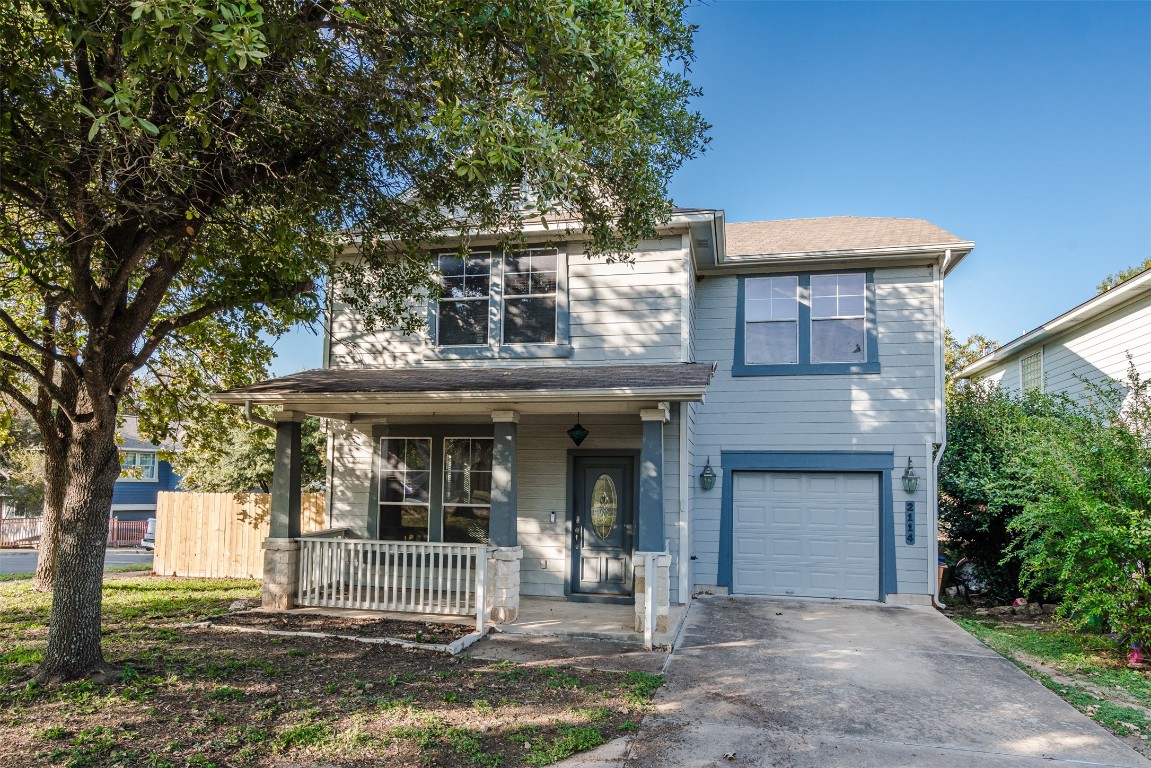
x: 806, y: 324
x: 501, y: 304
x: 463, y: 310
x: 138, y: 465
x: 1031, y: 372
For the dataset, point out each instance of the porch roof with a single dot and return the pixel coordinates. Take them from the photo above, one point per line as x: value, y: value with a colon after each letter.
x: 670, y: 381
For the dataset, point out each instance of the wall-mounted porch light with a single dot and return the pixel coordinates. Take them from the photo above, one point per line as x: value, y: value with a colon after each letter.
x: 578, y: 433
x: 910, y: 478
x: 707, y: 476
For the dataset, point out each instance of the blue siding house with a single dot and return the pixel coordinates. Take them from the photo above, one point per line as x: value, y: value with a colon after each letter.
x: 145, y: 475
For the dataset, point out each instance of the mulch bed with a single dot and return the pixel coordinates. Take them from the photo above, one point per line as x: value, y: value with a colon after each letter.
x: 413, y: 631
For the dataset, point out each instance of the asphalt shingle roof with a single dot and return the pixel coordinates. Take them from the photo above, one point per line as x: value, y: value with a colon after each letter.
x: 832, y: 233
x: 483, y: 379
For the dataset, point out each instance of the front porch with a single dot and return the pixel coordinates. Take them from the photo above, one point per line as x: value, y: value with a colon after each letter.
x: 465, y: 499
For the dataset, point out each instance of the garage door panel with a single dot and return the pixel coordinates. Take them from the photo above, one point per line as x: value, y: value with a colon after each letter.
x: 806, y: 534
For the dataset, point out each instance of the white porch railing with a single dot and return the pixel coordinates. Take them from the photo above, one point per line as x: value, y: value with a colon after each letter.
x: 413, y: 577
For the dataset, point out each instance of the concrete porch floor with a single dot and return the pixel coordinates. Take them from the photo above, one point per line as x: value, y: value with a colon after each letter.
x: 600, y: 621
x: 540, y: 616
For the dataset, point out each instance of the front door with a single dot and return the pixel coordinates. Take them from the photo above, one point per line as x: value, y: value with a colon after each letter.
x: 603, y: 525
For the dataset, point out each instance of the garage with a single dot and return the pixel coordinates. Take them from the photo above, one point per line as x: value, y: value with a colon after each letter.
x: 806, y: 534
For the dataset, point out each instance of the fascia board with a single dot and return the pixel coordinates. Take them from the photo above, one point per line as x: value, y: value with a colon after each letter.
x: 840, y: 258
x: 1129, y: 291
x: 558, y: 396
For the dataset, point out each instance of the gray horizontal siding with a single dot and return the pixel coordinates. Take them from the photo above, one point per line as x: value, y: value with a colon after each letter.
x: 1092, y: 353
x: 894, y: 410
x: 617, y: 311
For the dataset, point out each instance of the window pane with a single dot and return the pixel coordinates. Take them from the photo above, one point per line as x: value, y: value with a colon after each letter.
x: 403, y: 522
x: 756, y: 310
x: 467, y: 470
x: 784, y: 287
x: 824, y: 285
x: 851, y: 285
x: 463, y: 322
x: 838, y: 341
x: 404, y: 475
x: 770, y: 343
x: 466, y: 525
x: 823, y: 306
x: 543, y: 282
x: 758, y: 288
x: 517, y: 283
x: 1031, y: 372
x: 851, y: 306
x: 451, y: 266
x: 530, y: 320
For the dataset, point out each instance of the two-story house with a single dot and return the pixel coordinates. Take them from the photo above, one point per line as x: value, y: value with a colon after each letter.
x: 144, y: 474
x: 737, y: 406
x: 1091, y: 344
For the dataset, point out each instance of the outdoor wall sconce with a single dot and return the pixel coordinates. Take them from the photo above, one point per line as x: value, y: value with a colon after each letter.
x: 910, y: 478
x: 578, y: 433
x: 707, y: 476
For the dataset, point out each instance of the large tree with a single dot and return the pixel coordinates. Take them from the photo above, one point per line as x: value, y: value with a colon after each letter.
x: 174, y: 171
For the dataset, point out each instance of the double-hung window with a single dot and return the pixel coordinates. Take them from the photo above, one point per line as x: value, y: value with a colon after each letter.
x: 435, y: 489
x: 465, y: 302
x: 1031, y: 372
x: 501, y: 304
x: 806, y: 324
x: 138, y: 465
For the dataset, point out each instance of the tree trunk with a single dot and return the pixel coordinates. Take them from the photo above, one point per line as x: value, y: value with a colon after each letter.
x: 55, y: 474
x: 92, y: 468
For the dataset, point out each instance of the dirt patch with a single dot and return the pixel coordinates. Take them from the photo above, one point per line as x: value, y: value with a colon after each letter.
x: 413, y: 631
x: 197, y: 697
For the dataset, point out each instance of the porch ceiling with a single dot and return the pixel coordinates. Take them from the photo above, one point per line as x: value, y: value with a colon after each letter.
x: 459, y: 391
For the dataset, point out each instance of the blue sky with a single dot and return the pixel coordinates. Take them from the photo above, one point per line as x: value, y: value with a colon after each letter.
x: 1025, y: 127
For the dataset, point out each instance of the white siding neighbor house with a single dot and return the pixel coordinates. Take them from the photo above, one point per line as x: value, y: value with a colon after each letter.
x: 1087, y: 345
x: 734, y: 407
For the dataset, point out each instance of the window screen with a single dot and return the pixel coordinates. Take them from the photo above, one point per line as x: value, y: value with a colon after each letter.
x: 529, y: 310
x: 405, y: 475
x: 467, y: 489
x: 463, y: 307
x: 1031, y: 372
x: 838, y: 308
x: 771, y: 320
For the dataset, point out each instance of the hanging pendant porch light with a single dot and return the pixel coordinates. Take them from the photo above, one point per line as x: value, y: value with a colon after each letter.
x: 578, y: 433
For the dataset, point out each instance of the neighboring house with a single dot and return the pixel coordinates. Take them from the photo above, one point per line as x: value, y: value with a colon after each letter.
x: 144, y: 474
x: 1087, y: 345
x: 801, y: 361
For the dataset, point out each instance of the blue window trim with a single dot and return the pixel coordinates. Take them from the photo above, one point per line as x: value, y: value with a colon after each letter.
x: 804, y: 367
x: 818, y: 461
x: 494, y: 349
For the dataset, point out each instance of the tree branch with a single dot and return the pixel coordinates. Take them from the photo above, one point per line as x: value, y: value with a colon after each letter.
x: 43, y: 351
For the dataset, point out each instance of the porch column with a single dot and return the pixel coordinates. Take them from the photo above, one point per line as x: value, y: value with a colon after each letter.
x: 281, y: 550
x: 285, y: 511
x: 502, y: 526
x: 503, y: 588
x: 650, y: 535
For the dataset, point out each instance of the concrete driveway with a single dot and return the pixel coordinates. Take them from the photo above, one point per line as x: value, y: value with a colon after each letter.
x: 827, y: 683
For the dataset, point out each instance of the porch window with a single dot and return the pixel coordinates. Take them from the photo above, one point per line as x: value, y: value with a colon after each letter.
x: 405, y: 474
x: 463, y: 307
x: 138, y: 465
x: 467, y: 493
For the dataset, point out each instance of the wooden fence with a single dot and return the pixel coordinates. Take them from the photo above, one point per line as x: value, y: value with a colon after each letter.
x: 126, y: 533
x: 20, y: 531
x: 220, y: 535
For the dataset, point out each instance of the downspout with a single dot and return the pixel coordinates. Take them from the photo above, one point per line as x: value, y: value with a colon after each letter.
x: 252, y: 417
x: 938, y: 272
x: 685, y: 314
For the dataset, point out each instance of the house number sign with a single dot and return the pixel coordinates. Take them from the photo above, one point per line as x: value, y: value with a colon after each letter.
x: 909, y: 521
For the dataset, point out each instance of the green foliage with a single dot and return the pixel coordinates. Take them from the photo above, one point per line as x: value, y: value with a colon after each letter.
x: 1085, y: 525
x: 223, y: 452
x: 184, y: 179
x: 958, y: 356
x: 570, y: 741
x: 1111, y: 281
x: 21, y: 462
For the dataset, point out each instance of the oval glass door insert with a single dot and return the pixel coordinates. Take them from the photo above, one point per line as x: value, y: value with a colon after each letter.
x: 604, y: 506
